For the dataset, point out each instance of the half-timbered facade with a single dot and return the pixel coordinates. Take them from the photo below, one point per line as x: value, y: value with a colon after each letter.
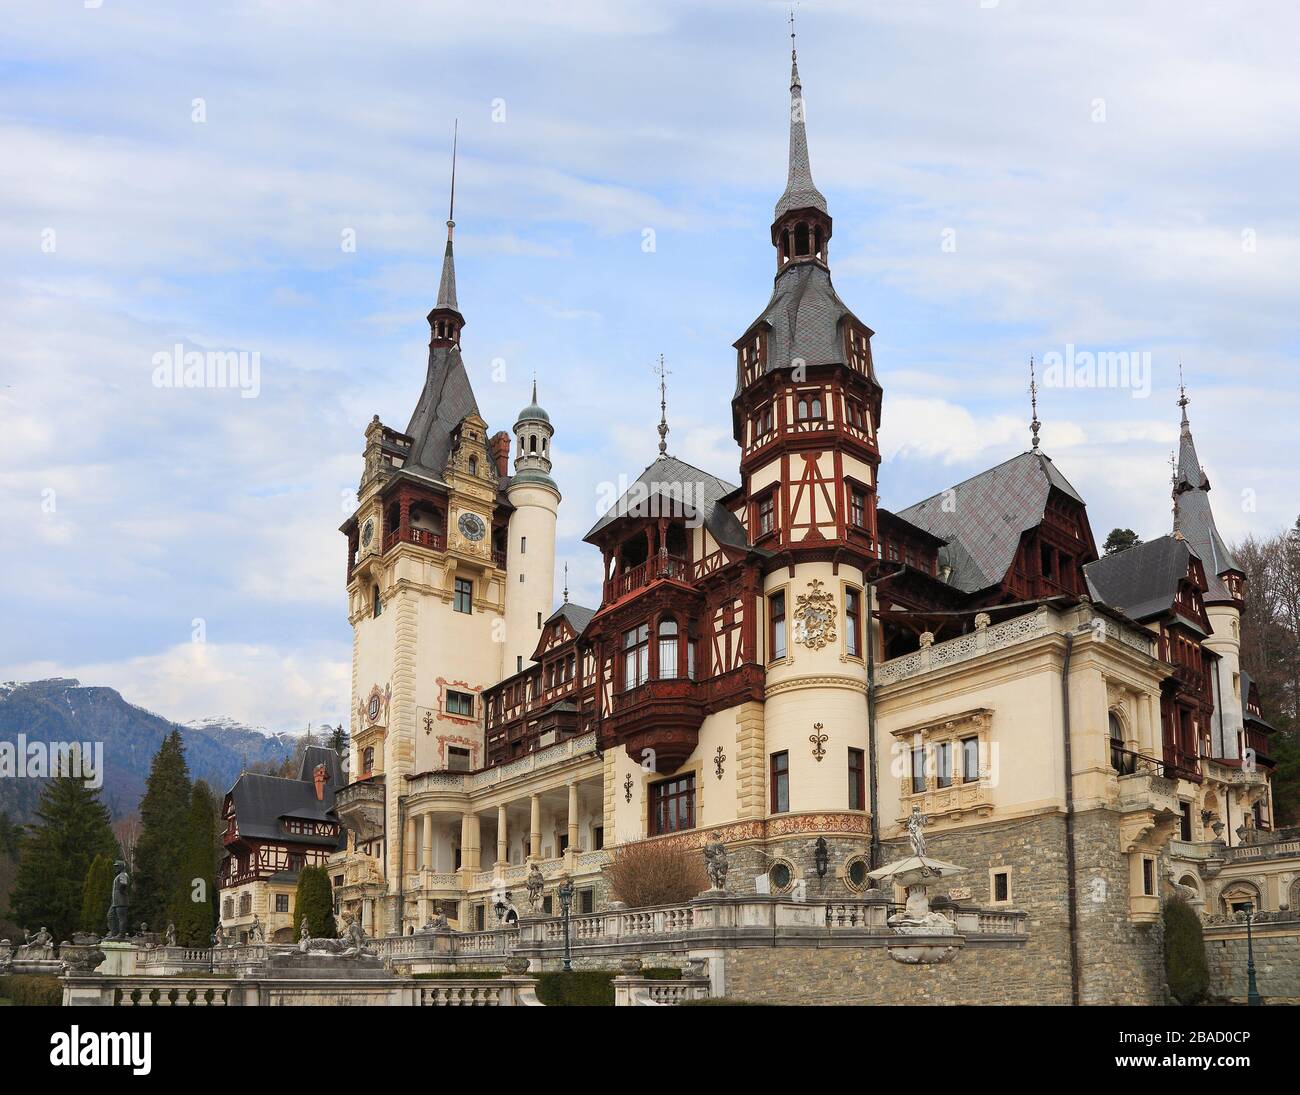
x: 780, y: 663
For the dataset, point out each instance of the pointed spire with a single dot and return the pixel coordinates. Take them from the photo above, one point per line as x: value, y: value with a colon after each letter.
x: 663, y: 408
x: 566, y: 583
x: 1033, y: 403
x: 1182, y: 395
x: 447, y: 286
x: 800, y: 191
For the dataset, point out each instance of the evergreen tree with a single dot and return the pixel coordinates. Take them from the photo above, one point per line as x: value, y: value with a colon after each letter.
x: 96, y: 894
x: 71, y: 829
x: 1120, y: 539
x: 164, y: 816
x: 194, y: 902
x: 1186, y: 969
x: 315, y: 901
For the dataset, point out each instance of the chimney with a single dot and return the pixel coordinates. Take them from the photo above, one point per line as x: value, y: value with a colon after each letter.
x: 500, y: 445
x: 320, y: 777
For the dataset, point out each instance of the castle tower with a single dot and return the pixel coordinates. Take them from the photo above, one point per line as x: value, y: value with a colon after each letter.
x: 805, y: 415
x: 530, y: 555
x: 1225, y: 598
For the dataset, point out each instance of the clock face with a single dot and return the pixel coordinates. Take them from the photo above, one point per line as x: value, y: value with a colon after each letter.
x: 367, y: 532
x: 471, y: 526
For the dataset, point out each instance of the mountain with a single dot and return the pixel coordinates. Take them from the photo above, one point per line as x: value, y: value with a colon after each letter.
x: 61, y: 710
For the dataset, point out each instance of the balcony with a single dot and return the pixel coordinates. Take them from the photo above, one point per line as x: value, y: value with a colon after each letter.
x: 434, y: 541
x: 656, y: 567
x: 360, y: 807
x: 663, y: 716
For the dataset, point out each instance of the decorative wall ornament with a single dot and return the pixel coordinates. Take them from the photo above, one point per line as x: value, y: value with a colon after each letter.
x: 814, y: 616
x: 718, y: 759
x: 819, y: 740
x: 428, y: 722
x: 627, y: 787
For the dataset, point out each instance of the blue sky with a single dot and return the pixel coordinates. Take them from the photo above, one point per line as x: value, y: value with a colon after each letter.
x: 1114, y: 177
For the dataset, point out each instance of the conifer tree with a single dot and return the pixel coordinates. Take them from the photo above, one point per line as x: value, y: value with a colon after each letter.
x: 194, y: 902
x: 164, y: 817
x: 71, y: 829
x: 96, y: 894
x: 314, y: 900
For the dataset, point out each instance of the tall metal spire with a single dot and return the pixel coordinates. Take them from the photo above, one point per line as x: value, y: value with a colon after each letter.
x: 1182, y: 395
x: 566, y: 583
x: 1033, y: 403
x: 663, y: 408
x: 800, y: 191
x: 447, y: 286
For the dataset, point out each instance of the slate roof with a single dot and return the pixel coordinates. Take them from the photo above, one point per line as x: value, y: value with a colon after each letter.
x: 804, y: 315
x: 577, y: 616
x: 800, y: 190
x: 1140, y: 581
x: 674, y: 481
x: 986, y: 516
x: 260, y: 801
x: 1248, y: 682
x: 444, y: 402
x: 1194, y: 518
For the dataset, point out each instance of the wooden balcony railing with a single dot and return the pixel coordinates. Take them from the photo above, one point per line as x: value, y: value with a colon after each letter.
x: 657, y: 566
x: 436, y: 541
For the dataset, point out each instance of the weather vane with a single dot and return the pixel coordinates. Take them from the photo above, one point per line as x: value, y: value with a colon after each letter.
x: 662, y: 373
x: 1033, y: 402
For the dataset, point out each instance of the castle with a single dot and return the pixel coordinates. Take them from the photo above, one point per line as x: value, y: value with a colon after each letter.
x: 781, y: 665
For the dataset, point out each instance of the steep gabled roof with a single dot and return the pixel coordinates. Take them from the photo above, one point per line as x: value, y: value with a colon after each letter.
x: 260, y: 801
x: 1141, y: 581
x: 1193, y: 518
x: 983, y: 518
x: 577, y: 616
x: 671, y: 482
x: 445, y: 400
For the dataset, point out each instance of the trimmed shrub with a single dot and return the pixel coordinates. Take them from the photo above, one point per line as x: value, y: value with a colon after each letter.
x: 31, y: 990
x: 1186, y: 970
x: 579, y: 988
x: 662, y: 973
x: 314, y: 900
x: 655, y: 873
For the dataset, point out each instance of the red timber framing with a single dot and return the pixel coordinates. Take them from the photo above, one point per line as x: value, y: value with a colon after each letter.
x: 555, y: 696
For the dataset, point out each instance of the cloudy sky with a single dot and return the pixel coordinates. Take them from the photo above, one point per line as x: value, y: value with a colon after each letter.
x: 1007, y: 178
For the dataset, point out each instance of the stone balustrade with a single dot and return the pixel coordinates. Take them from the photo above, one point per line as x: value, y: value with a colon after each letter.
x: 501, y: 992
x: 634, y: 991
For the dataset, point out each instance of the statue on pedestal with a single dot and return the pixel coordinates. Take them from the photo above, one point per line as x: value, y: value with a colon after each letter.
x: 536, y: 883
x: 715, y: 862
x: 118, y: 905
x: 39, y: 947
x: 256, y: 933
x: 915, y: 823
x: 169, y: 936
x: 352, y: 944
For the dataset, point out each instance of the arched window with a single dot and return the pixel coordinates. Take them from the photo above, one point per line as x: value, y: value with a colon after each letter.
x: 473, y: 465
x: 532, y: 443
x: 785, y: 245
x: 367, y: 760
x: 667, y: 649
x: 801, y: 239
x: 817, y: 241
x: 376, y: 604
x: 1120, y: 759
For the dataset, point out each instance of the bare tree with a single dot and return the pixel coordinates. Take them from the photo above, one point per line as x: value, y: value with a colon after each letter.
x: 127, y: 831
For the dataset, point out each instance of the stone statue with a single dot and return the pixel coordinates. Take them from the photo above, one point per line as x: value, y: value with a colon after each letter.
x: 117, y: 909
x: 218, y: 936
x: 256, y: 933
x: 536, y: 883
x: 715, y: 862
x: 915, y: 823
x: 439, y: 922
x: 352, y: 944
x: 39, y: 946
x: 169, y: 937
x: 304, y: 929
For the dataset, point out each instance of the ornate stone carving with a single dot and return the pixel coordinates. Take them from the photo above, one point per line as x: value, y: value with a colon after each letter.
x: 535, y: 884
x: 718, y: 759
x: 819, y: 740
x: 814, y: 616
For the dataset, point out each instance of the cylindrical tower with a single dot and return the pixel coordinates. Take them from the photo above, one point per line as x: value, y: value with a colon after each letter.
x: 530, y: 555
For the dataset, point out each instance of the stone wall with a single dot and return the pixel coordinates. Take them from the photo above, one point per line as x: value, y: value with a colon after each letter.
x: 1277, y: 964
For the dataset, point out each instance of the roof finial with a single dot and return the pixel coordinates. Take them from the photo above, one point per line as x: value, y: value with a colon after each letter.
x: 451, y: 207
x: 1033, y: 402
x: 1182, y: 392
x: 566, y: 583
x: 663, y: 408
x: 534, y: 389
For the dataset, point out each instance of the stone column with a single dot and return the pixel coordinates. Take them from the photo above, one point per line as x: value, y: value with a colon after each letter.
x: 411, y: 838
x: 573, y: 817
x: 428, y: 843
x: 535, y: 827
x: 502, y: 844
x: 1142, y: 705
x: 469, y: 842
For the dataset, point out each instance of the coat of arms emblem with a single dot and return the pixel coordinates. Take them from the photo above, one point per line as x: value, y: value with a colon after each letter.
x: 814, y: 616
